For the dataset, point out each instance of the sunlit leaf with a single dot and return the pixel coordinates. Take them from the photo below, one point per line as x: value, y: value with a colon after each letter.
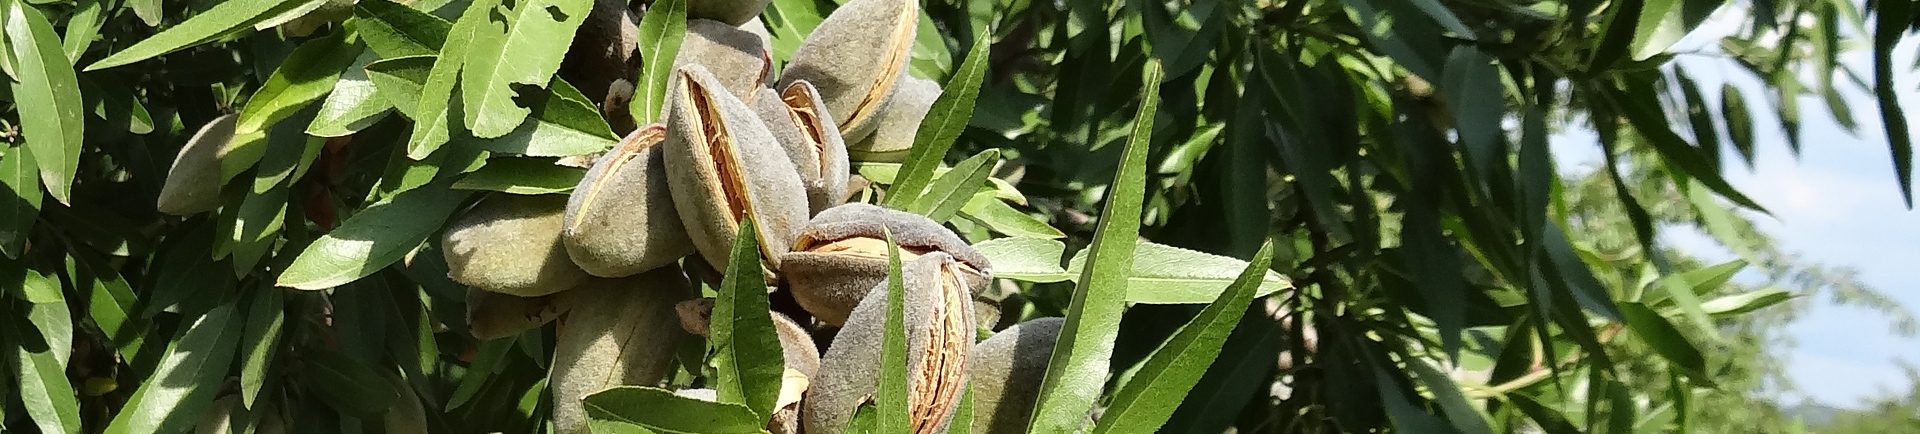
x: 537, y: 33
x: 202, y: 28
x: 941, y: 126
x: 47, y: 95
x: 660, y: 34
x: 743, y: 342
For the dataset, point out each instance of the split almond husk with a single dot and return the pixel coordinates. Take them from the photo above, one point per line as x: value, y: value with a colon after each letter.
x: 842, y: 254
x: 732, y: 12
x: 618, y: 332
x: 856, y: 57
x: 799, y: 120
x: 736, y: 57
x: 510, y: 244
x: 1006, y: 371
x: 723, y: 166
x: 894, y: 132
x: 938, y: 313
x: 620, y: 219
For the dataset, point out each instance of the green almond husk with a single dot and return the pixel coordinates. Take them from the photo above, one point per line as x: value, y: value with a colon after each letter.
x: 723, y: 165
x: 492, y: 315
x: 618, y: 332
x: 620, y: 219
x: 894, y: 132
x: 193, y: 183
x: 939, y: 322
x: 736, y: 57
x: 732, y: 12
x: 856, y: 57
x: 799, y: 120
x: 510, y: 244
x: 830, y: 284
x: 1006, y: 371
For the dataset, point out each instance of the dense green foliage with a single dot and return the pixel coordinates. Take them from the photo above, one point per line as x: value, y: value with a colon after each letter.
x: 1275, y: 215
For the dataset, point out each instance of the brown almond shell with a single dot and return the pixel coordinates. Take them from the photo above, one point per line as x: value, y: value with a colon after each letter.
x: 856, y: 57
x: 799, y: 120
x: 620, y: 219
x: 618, y: 332
x: 939, y: 328
x: 510, y: 244
x: 829, y: 285
x: 722, y: 165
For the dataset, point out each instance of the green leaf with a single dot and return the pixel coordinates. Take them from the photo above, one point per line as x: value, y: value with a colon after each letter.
x: 565, y: 123
x: 1165, y: 274
x: 1623, y: 21
x: 941, y: 126
x: 400, y: 79
x: 1079, y: 365
x: 1745, y: 302
x: 1661, y: 24
x: 745, y: 347
x: 353, y: 105
x: 18, y: 209
x: 1405, y: 416
x: 1575, y: 275
x: 891, y: 404
x: 1025, y: 258
x: 660, y: 34
x: 1402, y: 32
x: 260, y: 340
x: 1549, y: 420
x: 431, y: 125
x: 188, y: 377
x: 661, y: 410
x: 47, y: 96
x: 44, y: 390
x: 1465, y: 417
x: 1891, y: 21
x: 373, y: 238
x: 1478, y: 98
x: 1733, y: 105
x: 118, y: 106
x: 951, y: 191
x: 986, y: 209
x: 1146, y: 401
x: 486, y: 361
x: 307, y: 75
x: 537, y: 34
x: 1639, y: 104
x: 395, y: 30
x: 522, y: 176
x: 1664, y: 339
x: 215, y: 21
x: 346, y: 384
x: 82, y: 26
x: 110, y: 302
x: 963, y: 413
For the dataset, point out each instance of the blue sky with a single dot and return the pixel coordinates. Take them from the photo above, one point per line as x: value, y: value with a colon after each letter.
x: 1837, y: 203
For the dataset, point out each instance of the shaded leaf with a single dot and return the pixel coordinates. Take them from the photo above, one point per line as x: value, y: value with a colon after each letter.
x: 45, y: 393
x: 21, y: 205
x: 346, y: 384
x: 1891, y: 21
x: 1665, y: 339
x: 661, y: 410
x: 259, y: 341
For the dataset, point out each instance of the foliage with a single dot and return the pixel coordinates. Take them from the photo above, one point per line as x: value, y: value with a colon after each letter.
x: 1424, y: 267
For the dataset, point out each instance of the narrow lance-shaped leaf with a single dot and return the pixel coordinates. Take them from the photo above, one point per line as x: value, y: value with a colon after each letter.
x: 373, y: 238
x: 660, y: 34
x: 1665, y: 339
x: 1891, y: 22
x: 744, y: 344
x: 1145, y: 403
x: 663, y: 411
x: 521, y: 46
x: 942, y: 125
x: 19, y: 208
x: 951, y: 191
x: 395, y: 30
x: 1080, y: 360
x: 215, y: 21
x: 184, y: 383
x: 47, y: 96
x: 44, y: 391
x: 1639, y: 104
x: 306, y: 76
x: 431, y: 127
x: 1164, y: 274
x: 891, y: 403
x: 259, y: 341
